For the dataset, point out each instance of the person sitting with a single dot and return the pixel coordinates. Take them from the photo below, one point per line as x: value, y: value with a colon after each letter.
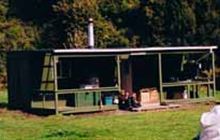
x: 134, y: 101
x: 123, y: 101
x: 127, y: 101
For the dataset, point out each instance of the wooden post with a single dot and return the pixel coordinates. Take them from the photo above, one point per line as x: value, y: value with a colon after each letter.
x: 55, y: 60
x: 119, y: 72
x: 126, y: 75
x: 188, y: 91
x: 44, y: 99
x: 194, y: 90
x: 56, y: 103
x: 160, y: 76
x: 197, y: 90
x: 213, y: 72
x: 208, y: 89
x: 100, y: 100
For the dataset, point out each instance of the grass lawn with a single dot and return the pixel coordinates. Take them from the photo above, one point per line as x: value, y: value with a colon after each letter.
x: 178, y: 124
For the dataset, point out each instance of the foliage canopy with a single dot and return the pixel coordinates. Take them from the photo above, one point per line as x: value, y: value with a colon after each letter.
x: 37, y: 24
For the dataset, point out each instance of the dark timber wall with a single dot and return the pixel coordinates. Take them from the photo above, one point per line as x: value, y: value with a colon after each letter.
x: 27, y: 71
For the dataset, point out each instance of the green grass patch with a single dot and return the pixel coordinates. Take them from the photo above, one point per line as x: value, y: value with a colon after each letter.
x: 180, y: 124
x: 3, y: 97
x: 169, y: 125
x: 217, y: 96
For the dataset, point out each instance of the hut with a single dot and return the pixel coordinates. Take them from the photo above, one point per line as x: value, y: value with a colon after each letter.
x: 86, y: 80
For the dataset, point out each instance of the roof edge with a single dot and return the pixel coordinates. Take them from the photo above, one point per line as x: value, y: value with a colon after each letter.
x: 125, y: 50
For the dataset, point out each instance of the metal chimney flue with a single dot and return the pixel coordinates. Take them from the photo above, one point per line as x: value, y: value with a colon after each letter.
x: 91, y: 42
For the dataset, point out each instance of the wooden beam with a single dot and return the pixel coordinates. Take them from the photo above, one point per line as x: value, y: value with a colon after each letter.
x: 160, y: 76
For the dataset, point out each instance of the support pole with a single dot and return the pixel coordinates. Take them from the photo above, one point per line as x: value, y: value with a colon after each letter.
x: 55, y: 60
x: 160, y: 77
x: 56, y: 103
x: 44, y: 100
x: 119, y: 73
x: 188, y: 91
x: 100, y: 100
x: 213, y: 72
x: 208, y: 89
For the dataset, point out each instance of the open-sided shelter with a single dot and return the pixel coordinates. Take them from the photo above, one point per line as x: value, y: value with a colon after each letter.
x: 85, y: 80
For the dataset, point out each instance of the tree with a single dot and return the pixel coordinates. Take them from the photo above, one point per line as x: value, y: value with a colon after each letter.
x: 69, y: 26
x: 14, y: 35
x: 180, y: 23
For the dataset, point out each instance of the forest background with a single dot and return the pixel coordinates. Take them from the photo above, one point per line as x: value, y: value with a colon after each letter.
x: 49, y: 24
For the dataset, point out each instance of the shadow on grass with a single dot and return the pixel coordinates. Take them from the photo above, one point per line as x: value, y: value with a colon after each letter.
x: 66, y: 133
x: 41, y: 112
x: 196, y: 137
x: 33, y: 111
x: 3, y: 105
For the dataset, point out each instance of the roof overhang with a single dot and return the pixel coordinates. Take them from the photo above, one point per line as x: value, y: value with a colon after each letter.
x: 134, y: 51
